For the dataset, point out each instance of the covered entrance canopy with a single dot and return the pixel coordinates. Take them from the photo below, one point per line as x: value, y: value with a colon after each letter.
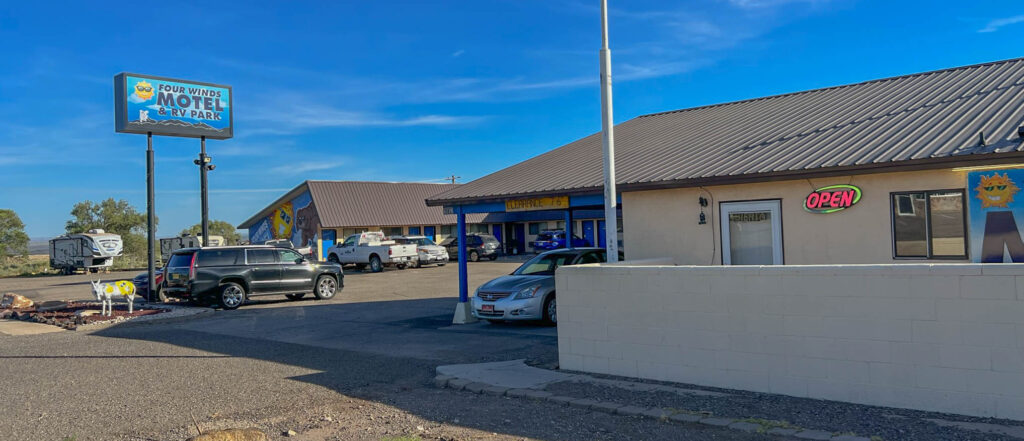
x: 514, y: 211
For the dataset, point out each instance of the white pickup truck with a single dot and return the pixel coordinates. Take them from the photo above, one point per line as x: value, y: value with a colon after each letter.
x: 371, y: 249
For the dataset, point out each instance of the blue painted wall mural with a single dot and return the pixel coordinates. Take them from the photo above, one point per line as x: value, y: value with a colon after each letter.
x: 996, y: 215
x: 296, y: 220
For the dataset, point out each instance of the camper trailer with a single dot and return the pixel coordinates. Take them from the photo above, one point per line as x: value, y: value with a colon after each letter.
x: 89, y: 251
x: 170, y: 244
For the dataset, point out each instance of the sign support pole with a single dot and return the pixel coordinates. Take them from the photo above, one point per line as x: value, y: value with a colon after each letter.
x: 611, y: 217
x: 150, y: 218
x: 203, y: 190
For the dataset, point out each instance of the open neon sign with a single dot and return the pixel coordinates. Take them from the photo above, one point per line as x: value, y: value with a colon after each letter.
x: 832, y: 198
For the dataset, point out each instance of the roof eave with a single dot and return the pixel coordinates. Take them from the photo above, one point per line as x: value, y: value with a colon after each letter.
x: 266, y: 210
x: 860, y: 169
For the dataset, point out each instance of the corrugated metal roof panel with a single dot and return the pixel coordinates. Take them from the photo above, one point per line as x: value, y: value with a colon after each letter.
x: 891, y: 121
x: 366, y: 204
x: 360, y: 204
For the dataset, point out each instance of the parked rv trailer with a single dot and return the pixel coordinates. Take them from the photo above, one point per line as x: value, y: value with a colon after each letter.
x: 90, y: 251
x: 169, y: 244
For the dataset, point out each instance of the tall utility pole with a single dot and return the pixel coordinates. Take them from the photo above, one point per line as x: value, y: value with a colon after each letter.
x: 452, y: 178
x: 204, y: 166
x: 611, y: 217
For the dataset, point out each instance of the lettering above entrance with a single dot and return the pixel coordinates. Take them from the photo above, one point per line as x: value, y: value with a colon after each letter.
x: 535, y: 204
x: 832, y: 198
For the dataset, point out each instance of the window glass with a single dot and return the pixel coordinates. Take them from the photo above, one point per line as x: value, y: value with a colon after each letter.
x: 946, y: 223
x: 474, y: 241
x: 477, y: 228
x: 288, y: 256
x: 592, y: 257
x: 909, y: 229
x: 218, y: 257
x: 261, y: 256
x: 448, y: 230
x: 393, y: 231
x: 537, y: 227
x: 180, y: 261
x: 929, y: 224
x: 545, y: 264
x: 350, y: 241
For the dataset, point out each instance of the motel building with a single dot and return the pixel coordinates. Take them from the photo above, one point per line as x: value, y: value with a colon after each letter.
x: 321, y: 213
x: 845, y: 243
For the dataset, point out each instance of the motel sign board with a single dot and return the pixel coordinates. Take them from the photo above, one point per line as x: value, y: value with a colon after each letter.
x: 166, y: 106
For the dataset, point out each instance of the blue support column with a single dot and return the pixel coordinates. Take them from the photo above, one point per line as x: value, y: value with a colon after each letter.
x: 568, y: 228
x: 463, y: 268
x: 463, y: 311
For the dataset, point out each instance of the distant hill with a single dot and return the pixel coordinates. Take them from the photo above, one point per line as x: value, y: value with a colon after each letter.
x: 39, y: 245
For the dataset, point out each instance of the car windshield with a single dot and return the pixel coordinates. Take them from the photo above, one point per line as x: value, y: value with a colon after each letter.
x: 425, y: 241
x: 544, y: 264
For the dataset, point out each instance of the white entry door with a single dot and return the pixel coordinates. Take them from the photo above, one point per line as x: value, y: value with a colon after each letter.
x: 751, y: 233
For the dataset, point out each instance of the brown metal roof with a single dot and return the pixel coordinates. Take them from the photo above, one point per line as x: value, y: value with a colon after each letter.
x: 923, y: 120
x: 343, y: 204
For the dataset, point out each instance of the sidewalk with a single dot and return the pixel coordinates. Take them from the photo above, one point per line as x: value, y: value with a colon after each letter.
x: 787, y: 417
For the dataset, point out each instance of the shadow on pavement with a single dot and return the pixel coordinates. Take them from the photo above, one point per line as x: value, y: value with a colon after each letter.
x: 382, y: 351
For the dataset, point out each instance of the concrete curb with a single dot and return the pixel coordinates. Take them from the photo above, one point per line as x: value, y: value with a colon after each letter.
x: 660, y: 414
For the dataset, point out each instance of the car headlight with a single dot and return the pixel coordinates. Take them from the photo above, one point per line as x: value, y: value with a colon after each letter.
x: 527, y: 293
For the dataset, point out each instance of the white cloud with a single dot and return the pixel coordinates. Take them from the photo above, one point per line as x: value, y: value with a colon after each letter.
x: 295, y: 112
x: 305, y: 167
x: 998, y: 23
x: 760, y: 4
x: 458, y: 53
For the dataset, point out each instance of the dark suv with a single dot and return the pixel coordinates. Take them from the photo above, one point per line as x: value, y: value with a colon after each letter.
x: 477, y: 245
x: 230, y: 275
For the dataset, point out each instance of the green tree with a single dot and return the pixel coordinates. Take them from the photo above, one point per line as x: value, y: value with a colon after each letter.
x: 118, y: 217
x: 217, y: 228
x: 13, y: 240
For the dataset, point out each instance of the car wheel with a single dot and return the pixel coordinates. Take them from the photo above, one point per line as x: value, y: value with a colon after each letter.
x: 400, y: 266
x: 493, y: 258
x: 326, y: 288
x: 375, y: 265
x: 551, y: 311
x: 160, y: 295
x: 474, y: 256
x: 416, y: 264
x: 232, y: 295
x: 296, y: 296
x: 440, y: 264
x: 333, y: 258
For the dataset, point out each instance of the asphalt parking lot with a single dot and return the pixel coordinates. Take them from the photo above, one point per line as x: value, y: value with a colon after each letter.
x: 359, y: 366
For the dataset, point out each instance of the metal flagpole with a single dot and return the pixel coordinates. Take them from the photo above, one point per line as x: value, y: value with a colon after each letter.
x: 150, y: 218
x: 607, y: 128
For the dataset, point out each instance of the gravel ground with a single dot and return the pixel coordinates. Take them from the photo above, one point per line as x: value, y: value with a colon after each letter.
x: 888, y: 423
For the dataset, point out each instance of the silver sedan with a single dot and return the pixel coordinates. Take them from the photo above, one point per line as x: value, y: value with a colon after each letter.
x: 529, y: 292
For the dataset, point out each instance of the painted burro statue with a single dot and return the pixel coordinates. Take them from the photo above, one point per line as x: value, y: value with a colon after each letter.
x: 996, y: 193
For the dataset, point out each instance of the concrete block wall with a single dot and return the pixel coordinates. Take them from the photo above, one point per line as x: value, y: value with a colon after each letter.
x: 947, y: 338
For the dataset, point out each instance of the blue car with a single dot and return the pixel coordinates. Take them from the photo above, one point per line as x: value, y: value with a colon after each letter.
x: 553, y: 240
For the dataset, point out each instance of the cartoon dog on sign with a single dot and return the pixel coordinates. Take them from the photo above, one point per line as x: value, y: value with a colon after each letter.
x: 105, y: 293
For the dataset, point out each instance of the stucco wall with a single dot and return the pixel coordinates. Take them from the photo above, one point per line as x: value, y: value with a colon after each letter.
x: 663, y: 223
x: 946, y: 338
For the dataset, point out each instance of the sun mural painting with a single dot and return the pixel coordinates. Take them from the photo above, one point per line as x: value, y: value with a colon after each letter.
x: 996, y: 191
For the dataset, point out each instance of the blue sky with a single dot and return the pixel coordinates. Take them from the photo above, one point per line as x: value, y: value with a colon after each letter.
x: 415, y: 91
